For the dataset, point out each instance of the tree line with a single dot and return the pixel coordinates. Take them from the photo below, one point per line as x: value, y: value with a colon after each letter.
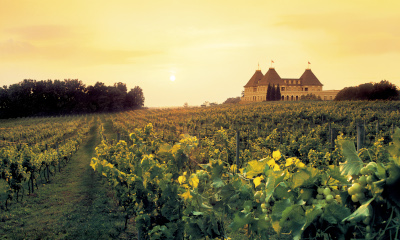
x: 71, y: 96
x: 273, y: 93
x: 384, y: 90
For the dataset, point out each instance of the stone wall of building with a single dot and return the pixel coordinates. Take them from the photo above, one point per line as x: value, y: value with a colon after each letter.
x: 291, y: 88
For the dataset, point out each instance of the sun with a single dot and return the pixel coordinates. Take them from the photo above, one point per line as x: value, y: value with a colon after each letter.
x: 172, y: 78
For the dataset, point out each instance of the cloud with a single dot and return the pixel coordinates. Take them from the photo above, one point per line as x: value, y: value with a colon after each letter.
x: 71, y: 45
x: 71, y: 54
x: 42, y: 32
x: 346, y: 34
x: 12, y: 48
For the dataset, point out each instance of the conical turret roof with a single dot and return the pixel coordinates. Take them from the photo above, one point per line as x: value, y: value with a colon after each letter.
x: 253, y: 82
x: 271, y: 77
x: 308, y: 78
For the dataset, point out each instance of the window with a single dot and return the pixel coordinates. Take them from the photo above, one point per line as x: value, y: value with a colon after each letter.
x: 282, y: 88
x: 306, y: 89
x: 255, y: 89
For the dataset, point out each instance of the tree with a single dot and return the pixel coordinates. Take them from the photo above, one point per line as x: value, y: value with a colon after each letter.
x: 269, y: 92
x: 272, y: 98
x: 278, y: 95
x: 232, y: 100
x: 135, y: 98
x: 121, y: 87
x: 310, y: 96
x: 383, y: 90
x: 47, y: 97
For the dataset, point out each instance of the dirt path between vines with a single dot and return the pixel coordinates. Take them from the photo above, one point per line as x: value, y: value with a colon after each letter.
x: 76, y: 204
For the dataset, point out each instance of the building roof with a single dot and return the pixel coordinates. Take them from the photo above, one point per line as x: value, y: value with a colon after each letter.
x: 271, y: 77
x: 253, y: 82
x: 308, y: 78
x: 292, y: 81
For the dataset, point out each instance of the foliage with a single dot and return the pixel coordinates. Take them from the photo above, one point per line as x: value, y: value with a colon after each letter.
x: 165, y: 192
x: 38, y: 98
x: 383, y: 90
x: 310, y: 96
x: 232, y: 100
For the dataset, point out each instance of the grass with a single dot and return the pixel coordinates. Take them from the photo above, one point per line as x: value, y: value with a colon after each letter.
x: 76, y: 204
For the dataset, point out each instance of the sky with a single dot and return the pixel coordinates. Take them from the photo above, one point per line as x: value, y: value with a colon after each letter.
x: 211, y: 47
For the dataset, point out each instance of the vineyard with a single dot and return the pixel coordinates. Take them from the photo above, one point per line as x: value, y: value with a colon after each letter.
x: 33, y: 150
x: 302, y: 170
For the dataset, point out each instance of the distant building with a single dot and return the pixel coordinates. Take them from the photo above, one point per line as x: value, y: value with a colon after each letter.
x: 291, y: 88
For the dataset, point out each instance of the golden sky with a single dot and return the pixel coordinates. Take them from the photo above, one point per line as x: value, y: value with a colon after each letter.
x: 212, y: 47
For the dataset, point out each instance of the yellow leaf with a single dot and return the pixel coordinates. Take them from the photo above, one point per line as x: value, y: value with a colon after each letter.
x: 233, y: 168
x: 254, y: 168
x: 289, y: 162
x: 276, y: 167
x: 276, y: 226
x: 181, y: 179
x: 271, y: 163
x: 257, y: 180
x: 194, y: 181
x: 276, y: 155
x: 301, y: 165
x: 186, y: 195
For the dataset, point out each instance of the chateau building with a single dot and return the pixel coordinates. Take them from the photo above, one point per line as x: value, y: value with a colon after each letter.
x: 291, y: 88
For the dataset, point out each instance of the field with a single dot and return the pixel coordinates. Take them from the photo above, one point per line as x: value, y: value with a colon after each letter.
x: 302, y: 170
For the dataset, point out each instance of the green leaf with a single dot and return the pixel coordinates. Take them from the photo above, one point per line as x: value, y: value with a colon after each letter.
x: 394, y: 148
x: 381, y: 171
x: 353, y: 163
x: 297, y: 230
x: 205, y: 205
x: 297, y: 219
x: 335, y: 213
x: 217, y: 169
x: 363, y: 211
x: 299, y: 178
x: 240, y: 220
x: 278, y: 209
x: 311, y: 215
x: 218, y: 183
x: 283, y: 192
x: 334, y: 172
x: 269, y: 187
